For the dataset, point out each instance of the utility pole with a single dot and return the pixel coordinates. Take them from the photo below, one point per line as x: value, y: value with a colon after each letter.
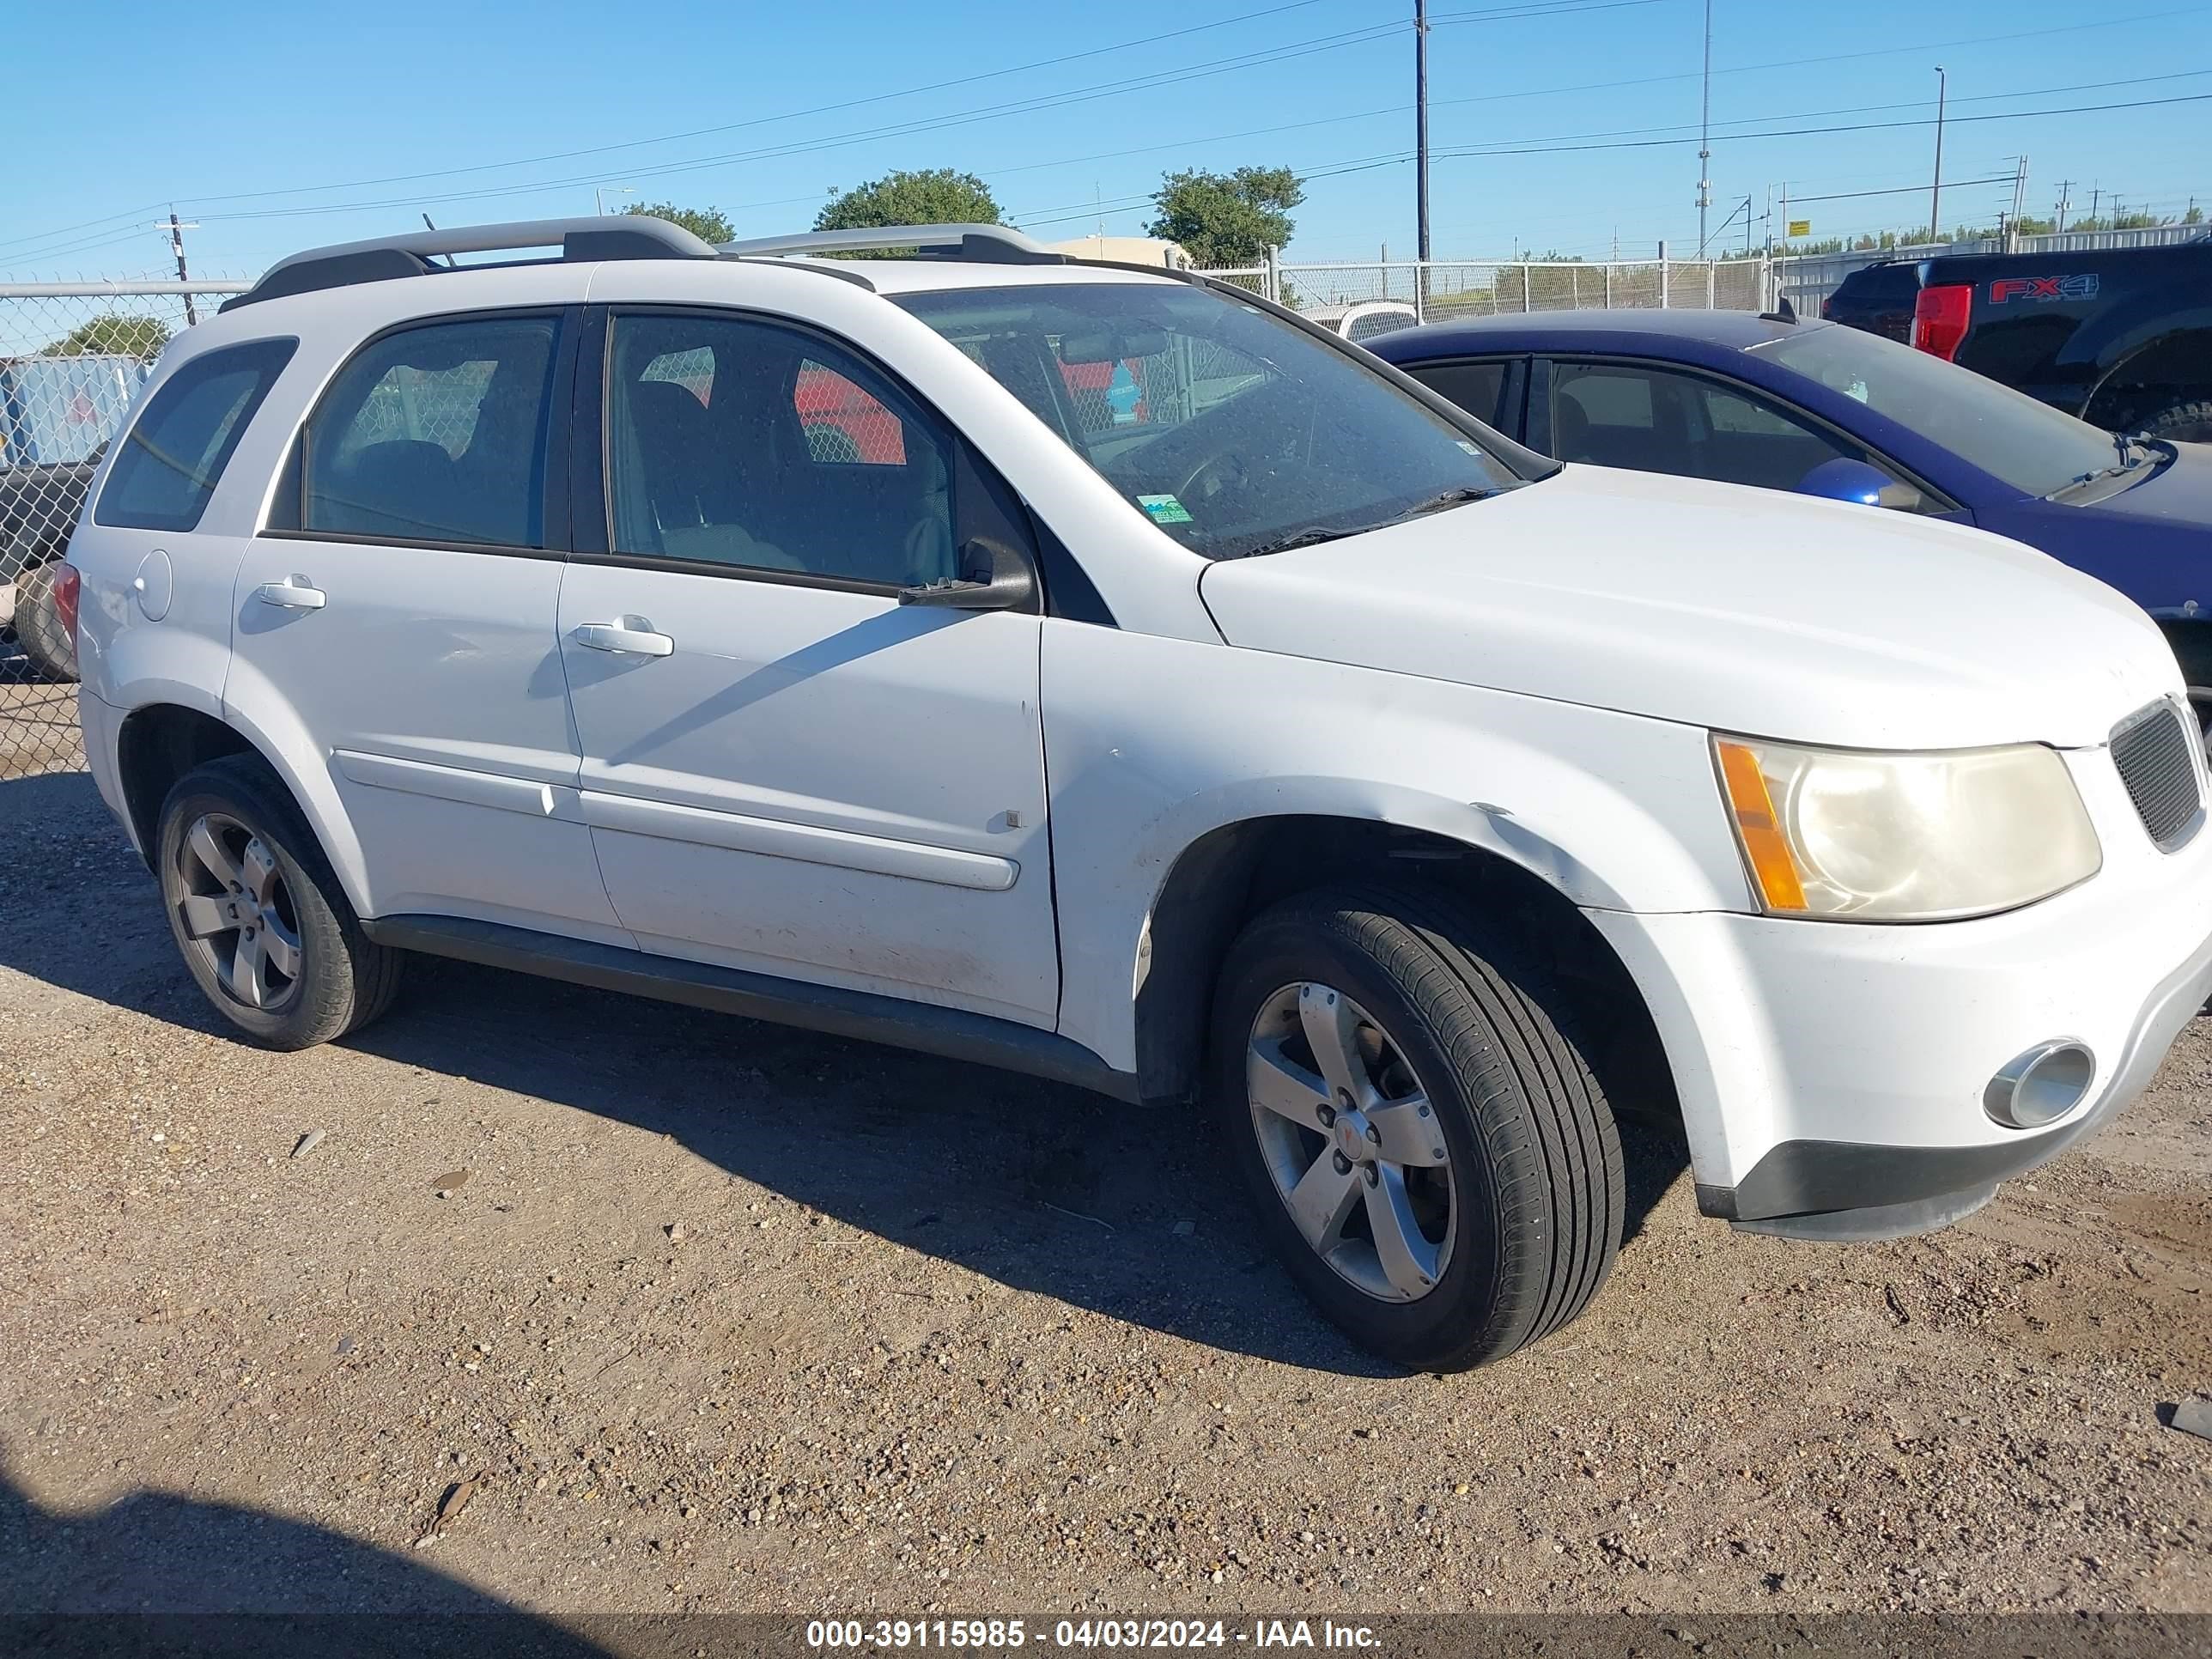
x: 1746, y: 225
x: 1421, y: 131
x: 2065, y: 189
x: 1705, y: 135
x: 177, y: 246
x: 2096, y: 191
x: 1935, y: 193
x: 2019, y: 201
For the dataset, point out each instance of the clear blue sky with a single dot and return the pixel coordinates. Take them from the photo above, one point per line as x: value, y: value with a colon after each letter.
x: 270, y: 124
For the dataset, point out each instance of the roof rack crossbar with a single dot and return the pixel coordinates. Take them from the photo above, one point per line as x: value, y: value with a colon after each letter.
x: 380, y: 258
x: 994, y: 245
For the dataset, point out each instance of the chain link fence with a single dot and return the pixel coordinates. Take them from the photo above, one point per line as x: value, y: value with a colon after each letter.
x: 72, y: 357
x: 1364, y: 299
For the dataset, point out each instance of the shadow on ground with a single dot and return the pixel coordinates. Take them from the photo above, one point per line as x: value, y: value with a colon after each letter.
x: 1044, y: 1187
x: 161, y: 1574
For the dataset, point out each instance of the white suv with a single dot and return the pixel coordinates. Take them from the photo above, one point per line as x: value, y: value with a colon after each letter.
x: 1101, y: 672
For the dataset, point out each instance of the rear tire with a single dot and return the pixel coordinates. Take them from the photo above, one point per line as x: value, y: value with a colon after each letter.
x: 255, y: 909
x: 39, y: 630
x: 2187, y: 422
x: 1515, y: 1223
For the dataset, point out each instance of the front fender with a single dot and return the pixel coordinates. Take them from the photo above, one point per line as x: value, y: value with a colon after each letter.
x: 1152, y: 744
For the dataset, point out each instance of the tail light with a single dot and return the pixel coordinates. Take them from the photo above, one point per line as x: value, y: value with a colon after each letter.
x: 66, y: 589
x: 1828, y: 306
x: 1939, y: 319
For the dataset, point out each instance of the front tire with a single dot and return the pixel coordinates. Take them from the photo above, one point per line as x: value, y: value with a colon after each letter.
x: 1426, y: 1146
x: 258, y: 913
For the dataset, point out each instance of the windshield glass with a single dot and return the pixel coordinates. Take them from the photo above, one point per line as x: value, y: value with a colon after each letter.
x: 1231, y: 430
x: 2006, y: 433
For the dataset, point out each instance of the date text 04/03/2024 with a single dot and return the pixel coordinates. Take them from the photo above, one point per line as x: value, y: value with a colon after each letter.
x: 894, y: 1635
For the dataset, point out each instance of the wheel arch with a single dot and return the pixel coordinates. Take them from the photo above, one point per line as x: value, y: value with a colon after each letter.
x: 158, y: 742
x: 1226, y: 877
x: 2177, y: 360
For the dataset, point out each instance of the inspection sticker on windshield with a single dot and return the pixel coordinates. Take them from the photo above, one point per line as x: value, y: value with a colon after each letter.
x: 1164, y: 509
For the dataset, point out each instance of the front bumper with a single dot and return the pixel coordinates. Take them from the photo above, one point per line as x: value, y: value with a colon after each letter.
x: 1842, y: 1189
x: 1830, y: 1074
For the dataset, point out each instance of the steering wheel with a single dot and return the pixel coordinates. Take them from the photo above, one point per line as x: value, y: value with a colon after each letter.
x: 1221, y: 470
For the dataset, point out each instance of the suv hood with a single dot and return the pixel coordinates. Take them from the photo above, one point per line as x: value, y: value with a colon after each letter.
x: 1741, y: 610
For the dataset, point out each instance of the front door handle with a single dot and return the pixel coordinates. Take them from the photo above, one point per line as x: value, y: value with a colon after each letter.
x: 293, y: 594
x: 630, y: 636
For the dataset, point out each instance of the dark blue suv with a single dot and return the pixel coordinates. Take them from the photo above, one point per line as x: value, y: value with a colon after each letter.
x: 1787, y: 404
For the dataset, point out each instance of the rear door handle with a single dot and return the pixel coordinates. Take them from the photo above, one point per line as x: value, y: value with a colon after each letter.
x: 293, y: 594
x: 631, y: 636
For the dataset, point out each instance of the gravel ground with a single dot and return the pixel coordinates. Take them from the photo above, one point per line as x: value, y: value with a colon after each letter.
x: 720, y: 1317
x: 38, y: 722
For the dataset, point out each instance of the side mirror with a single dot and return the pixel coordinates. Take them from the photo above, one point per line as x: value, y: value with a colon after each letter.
x: 1844, y: 480
x: 1008, y: 584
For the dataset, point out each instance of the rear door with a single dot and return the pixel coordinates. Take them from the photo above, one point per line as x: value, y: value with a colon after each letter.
x: 786, y: 770
x: 400, y: 607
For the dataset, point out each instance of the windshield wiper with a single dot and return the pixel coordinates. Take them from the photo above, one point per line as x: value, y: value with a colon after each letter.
x: 1437, y: 503
x: 2136, y: 452
x: 1306, y: 538
x: 1317, y: 533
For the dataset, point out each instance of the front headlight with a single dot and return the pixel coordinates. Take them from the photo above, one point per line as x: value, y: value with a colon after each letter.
x: 1904, y: 838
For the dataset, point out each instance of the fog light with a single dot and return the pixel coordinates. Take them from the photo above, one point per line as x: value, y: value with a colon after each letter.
x: 2040, y: 1086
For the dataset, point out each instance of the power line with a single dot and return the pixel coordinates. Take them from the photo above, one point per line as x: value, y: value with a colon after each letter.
x: 65, y: 247
x: 1566, y: 145
x: 1053, y: 100
x: 1255, y: 58
x: 766, y: 120
x: 1859, y: 126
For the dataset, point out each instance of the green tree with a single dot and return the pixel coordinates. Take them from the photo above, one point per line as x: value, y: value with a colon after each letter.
x: 120, y: 335
x: 2194, y: 216
x: 936, y: 195
x: 1227, y: 218
x: 708, y: 224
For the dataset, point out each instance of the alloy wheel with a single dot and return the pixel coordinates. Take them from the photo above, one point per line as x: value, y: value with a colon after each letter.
x: 1351, y: 1141
x: 237, y: 913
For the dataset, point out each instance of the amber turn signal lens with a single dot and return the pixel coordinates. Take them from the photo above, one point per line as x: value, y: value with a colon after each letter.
x: 1759, y: 828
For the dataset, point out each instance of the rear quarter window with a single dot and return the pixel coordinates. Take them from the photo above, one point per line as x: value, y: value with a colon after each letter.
x: 174, y: 454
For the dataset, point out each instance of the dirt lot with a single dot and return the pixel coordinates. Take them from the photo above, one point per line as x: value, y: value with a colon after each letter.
x: 727, y: 1317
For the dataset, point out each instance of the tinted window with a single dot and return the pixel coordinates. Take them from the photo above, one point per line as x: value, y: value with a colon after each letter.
x: 1655, y: 419
x: 1475, y: 387
x: 438, y: 434
x: 179, y: 447
x: 771, y: 450
x: 2009, y: 436
x: 1233, y: 431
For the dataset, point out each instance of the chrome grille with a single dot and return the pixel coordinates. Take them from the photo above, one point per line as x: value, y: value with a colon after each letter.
x: 2156, y: 753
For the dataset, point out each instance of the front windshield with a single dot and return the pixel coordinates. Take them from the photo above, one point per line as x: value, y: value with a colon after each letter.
x: 1231, y: 430
x: 2008, y: 434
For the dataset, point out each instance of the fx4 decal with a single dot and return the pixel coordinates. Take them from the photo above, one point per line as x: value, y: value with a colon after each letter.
x: 2082, y: 286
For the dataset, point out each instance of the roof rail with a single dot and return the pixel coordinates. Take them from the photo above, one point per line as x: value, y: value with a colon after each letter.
x: 993, y: 245
x: 620, y: 236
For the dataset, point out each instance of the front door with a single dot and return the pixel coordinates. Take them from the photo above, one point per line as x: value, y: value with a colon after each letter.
x: 784, y: 770
x: 401, y: 607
